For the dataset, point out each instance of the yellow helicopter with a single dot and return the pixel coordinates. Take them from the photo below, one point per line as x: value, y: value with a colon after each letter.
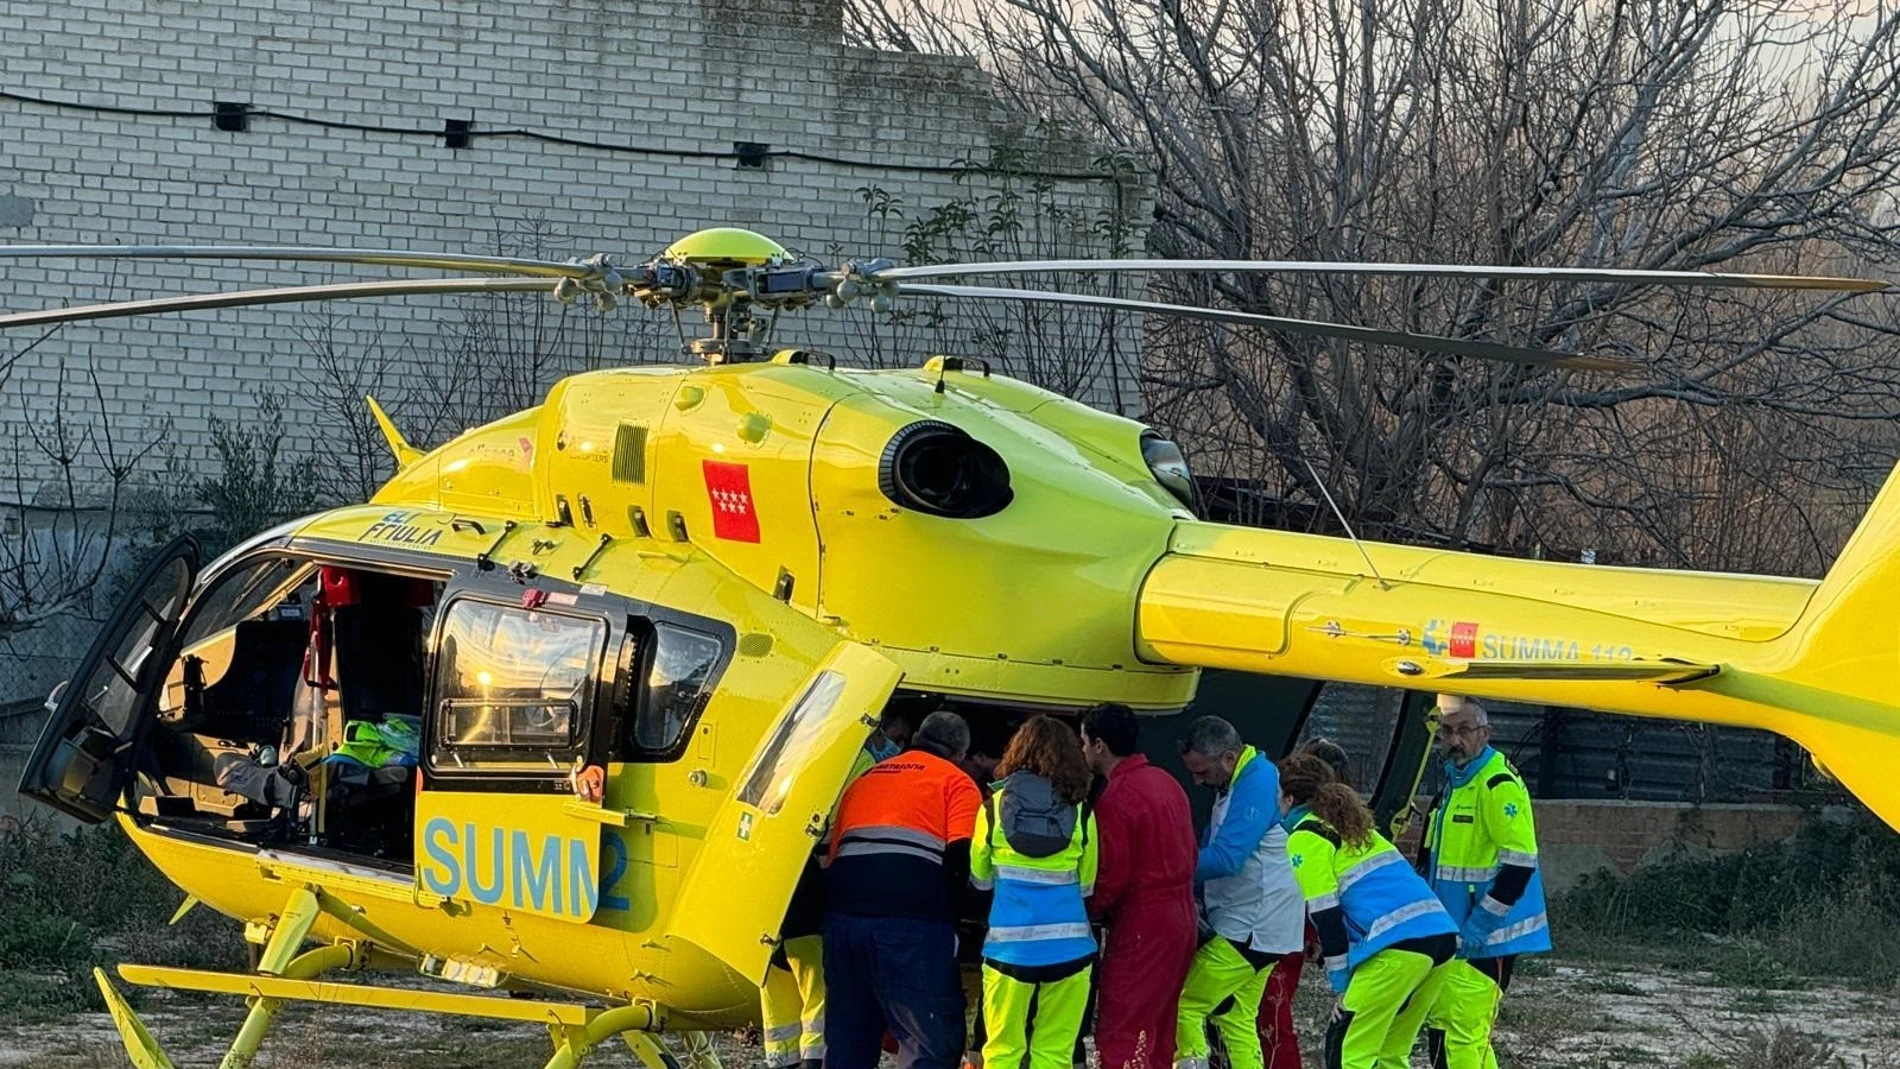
x: 636, y: 636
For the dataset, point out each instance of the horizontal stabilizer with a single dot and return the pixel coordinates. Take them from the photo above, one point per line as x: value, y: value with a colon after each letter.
x: 1670, y: 672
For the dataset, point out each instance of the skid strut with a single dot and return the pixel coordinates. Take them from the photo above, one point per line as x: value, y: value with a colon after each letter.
x: 285, y: 976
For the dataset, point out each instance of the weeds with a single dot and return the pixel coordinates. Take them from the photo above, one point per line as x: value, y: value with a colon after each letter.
x: 1780, y: 1047
x: 1826, y: 903
x: 73, y: 900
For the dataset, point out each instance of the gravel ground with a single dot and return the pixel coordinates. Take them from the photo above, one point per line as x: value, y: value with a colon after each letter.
x: 1558, y: 1016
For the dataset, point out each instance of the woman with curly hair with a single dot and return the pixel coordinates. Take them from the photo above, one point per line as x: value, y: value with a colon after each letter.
x: 1035, y: 846
x: 1279, y: 1043
x: 1385, y: 936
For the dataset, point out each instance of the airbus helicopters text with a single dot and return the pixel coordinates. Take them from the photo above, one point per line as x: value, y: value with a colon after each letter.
x: 597, y: 671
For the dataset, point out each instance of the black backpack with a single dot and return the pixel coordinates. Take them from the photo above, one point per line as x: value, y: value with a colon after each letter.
x: 1035, y: 821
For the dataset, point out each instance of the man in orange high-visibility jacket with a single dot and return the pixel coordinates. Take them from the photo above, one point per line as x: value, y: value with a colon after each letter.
x: 896, y: 871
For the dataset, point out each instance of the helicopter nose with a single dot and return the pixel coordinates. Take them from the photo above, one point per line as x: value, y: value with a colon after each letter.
x: 939, y: 469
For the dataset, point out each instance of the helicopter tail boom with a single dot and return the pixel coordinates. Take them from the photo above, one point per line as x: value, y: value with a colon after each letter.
x: 1817, y: 662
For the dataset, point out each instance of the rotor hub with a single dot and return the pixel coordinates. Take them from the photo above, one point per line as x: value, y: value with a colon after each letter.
x: 727, y: 248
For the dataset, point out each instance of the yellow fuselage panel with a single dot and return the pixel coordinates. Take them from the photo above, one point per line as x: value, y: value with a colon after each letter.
x: 488, y: 471
x: 772, y: 470
x: 596, y: 958
x: 1034, y: 600
x: 596, y: 444
x: 733, y: 461
x: 489, y: 850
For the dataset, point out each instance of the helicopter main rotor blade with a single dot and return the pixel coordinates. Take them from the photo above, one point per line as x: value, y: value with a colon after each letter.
x: 1430, y: 343
x: 290, y: 295
x: 1548, y: 274
x: 438, y: 261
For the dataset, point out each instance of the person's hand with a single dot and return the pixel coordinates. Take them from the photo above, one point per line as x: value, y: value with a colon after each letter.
x: 1476, y: 934
x: 1339, y: 978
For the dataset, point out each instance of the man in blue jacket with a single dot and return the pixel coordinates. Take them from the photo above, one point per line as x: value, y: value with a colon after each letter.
x: 1253, y: 910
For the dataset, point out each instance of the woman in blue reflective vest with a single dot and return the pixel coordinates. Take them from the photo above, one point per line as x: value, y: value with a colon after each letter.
x: 1035, y: 846
x: 1385, y: 936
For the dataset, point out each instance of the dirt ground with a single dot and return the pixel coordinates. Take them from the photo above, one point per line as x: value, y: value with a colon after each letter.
x: 1559, y: 1015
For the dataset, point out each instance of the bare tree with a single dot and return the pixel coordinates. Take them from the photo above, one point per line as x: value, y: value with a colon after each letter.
x: 343, y: 371
x: 1664, y: 134
x: 1011, y: 210
x: 72, y: 470
x: 493, y: 355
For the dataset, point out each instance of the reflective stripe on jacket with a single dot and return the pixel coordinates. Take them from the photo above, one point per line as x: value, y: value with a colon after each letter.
x: 1383, y: 900
x: 1485, y: 821
x: 893, y: 827
x: 1038, y: 916
x: 1248, y: 885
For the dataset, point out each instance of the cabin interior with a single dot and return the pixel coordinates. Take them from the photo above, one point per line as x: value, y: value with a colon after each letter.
x: 283, y: 663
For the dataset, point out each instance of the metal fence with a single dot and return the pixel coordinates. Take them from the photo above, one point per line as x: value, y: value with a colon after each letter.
x: 1574, y: 753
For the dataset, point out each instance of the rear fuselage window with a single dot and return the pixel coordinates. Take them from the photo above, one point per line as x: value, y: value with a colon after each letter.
x: 677, y: 686
x: 514, y: 687
x: 791, y: 746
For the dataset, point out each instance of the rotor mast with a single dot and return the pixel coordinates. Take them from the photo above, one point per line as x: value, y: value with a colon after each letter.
x: 717, y: 265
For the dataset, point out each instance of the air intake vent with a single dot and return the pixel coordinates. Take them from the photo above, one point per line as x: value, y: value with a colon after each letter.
x: 938, y: 469
x: 630, y: 453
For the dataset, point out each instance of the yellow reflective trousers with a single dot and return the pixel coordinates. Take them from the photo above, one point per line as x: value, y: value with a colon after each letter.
x: 792, y: 1005
x: 1384, y: 1006
x: 1038, y: 1021
x: 1465, y: 1011
x: 1224, y: 986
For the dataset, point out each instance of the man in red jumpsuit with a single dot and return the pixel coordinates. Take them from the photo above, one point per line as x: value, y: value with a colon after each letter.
x: 1144, y: 892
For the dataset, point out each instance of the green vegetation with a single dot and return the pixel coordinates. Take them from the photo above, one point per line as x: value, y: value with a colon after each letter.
x: 73, y: 900
x: 1826, y: 904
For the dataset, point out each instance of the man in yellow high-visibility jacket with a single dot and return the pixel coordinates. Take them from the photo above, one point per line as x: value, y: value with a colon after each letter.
x: 1480, y: 856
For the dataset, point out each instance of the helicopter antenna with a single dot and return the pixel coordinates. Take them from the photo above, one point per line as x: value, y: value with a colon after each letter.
x: 1328, y: 494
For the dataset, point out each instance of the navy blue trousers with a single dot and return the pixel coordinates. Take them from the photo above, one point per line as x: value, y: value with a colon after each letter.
x: 895, y: 973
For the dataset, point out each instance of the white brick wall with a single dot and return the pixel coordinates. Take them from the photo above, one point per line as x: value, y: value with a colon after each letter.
x: 692, y: 75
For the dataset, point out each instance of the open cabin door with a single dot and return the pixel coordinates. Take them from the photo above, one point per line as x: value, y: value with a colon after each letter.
x: 735, y: 897
x: 84, y: 757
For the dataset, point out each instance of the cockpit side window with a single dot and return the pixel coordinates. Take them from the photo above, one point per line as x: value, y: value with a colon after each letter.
x: 243, y: 594
x: 514, y: 687
x: 241, y: 646
x: 679, y: 676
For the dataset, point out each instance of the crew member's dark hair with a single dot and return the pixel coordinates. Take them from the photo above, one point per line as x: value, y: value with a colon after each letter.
x: 943, y: 733
x: 1115, y: 725
x: 1309, y: 781
x: 1334, y: 755
x: 1211, y: 737
x: 1049, y: 749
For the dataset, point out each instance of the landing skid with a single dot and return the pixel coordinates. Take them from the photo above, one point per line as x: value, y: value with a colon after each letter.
x: 573, y: 1029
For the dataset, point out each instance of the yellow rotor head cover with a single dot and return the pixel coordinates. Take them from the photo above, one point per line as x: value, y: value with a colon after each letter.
x: 726, y: 247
